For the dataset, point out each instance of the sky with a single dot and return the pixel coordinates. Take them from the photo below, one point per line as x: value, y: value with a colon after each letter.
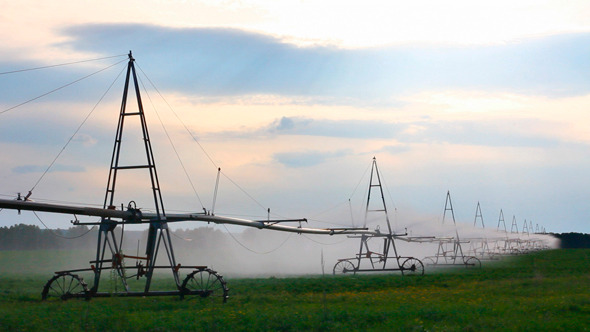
x: 487, y: 100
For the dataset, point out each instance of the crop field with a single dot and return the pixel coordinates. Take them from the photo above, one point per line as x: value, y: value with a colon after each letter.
x: 540, y: 291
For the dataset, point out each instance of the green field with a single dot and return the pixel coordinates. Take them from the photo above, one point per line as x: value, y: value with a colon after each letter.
x: 541, y: 291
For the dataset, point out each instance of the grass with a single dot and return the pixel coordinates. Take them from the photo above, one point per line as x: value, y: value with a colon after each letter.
x: 540, y: 291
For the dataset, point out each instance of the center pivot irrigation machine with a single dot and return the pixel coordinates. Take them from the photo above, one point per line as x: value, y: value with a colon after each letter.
x: 200, y: 281
x: 450, y: 250
x: 386, y: 259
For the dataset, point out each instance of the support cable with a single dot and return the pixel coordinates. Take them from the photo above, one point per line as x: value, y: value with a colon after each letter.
x: 392, y: 202
x: 253, y: 251
x: 326, y: 222
x: 334, y: 207
x: 215, y: 192
x: 351, y: 214
x: 179, y: 119
x: 57, y: 89
x: 359, y: 183
x: 59, y: 65
x: 244, y: 191
x: 61, y: 236
x: 363, y: 207
x: 168, y: 135
x: 324, y: 244
x: 76, y: 132
x: 44, y: 200
x: 346, y: 202
x: 196, y: 141
x: 180, y: 237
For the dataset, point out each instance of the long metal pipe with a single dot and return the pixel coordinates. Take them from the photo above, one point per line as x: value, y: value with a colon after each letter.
x: 65, y: 209
x: 136, y: 216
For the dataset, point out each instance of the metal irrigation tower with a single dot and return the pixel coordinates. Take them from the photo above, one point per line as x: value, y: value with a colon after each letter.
x: 478, y: 215
x: 368, y: 260
x: 501, y: 221
x: 450, y: 250
x: 109, y: 255
x: 158, y: 233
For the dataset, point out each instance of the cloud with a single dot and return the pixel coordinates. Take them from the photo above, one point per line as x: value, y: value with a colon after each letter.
x: 333, y: 128
x: 287, y: 124
x: 464, y: 132
x: 229, y: 62
x: 85, y: 139
x: 56, y: 168
x: 220, y: 61
x: 224, y: 62
x: 307, y: 158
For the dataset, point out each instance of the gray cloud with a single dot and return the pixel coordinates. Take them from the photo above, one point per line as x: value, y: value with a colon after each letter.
x: 307, y: 158
x: 56, y: 168
x: 217, y: 61
x: 333, y: 128
x: 469, y: 132
x: 220, y: 61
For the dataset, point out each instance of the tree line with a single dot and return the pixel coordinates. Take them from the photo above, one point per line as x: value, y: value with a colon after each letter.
x: 573, y: 240
x: 31, y: 237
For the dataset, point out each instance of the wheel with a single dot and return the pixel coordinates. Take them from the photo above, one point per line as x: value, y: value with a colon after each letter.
x: 343, y: 267
x: 65, y: 286
x: 472, y: 262
x: 206, y: 283
x: 428, y: 261
x: 413, y: 267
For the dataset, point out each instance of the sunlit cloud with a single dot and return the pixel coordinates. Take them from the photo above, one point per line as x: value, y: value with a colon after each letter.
x: 342, y: 23
x: 377, y: 22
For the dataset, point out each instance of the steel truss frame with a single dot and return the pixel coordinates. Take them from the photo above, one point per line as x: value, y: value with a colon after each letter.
x: 201, y: 281
x: 450, y: 250
x: 480, y: 247
x: 386, y: 259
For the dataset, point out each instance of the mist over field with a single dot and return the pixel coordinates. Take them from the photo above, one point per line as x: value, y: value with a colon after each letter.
x: 253, y: 252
